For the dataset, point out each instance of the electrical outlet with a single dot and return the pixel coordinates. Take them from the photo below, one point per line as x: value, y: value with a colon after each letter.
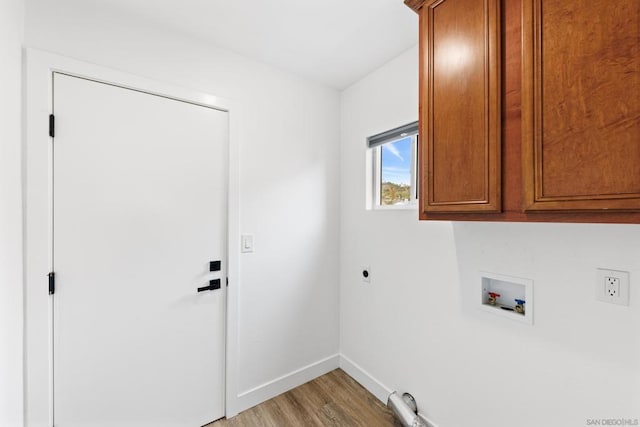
x: 612, y: 286
x: 365, y: 273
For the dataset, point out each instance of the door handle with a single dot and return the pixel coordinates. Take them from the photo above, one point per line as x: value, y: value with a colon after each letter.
x: 213, y: 285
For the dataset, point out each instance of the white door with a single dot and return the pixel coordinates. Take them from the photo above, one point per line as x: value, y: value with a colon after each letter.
x: 139, y: 211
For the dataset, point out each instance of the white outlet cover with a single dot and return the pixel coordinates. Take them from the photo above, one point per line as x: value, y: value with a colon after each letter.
x: 602, y: 293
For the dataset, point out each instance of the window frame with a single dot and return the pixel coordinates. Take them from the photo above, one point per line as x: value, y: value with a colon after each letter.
x: 375, y: 144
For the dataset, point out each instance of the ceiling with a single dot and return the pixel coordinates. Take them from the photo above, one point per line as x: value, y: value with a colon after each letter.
x: 333, y: 42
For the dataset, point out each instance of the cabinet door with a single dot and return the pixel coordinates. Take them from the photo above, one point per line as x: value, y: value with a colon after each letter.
x: 460, y: 106
x: 581, y: 105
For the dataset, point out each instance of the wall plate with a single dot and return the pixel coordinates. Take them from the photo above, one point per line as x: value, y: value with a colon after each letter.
x: 246, y: 243
x: 612, y: 286
x: 509, y: 289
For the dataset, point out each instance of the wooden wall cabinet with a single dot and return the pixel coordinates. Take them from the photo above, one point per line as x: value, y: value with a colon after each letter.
x: 460, y: 114
x: 581, y: 104
x: 529, y: 110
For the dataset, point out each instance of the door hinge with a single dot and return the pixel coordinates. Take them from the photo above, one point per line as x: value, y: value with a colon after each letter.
x: 52, y: 125
x: 52, y: 283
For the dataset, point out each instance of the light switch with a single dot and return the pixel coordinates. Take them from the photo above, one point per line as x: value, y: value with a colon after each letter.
x: 246, y: 243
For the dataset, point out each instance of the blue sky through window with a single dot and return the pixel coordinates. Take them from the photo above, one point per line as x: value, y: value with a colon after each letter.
x: 396, y: 161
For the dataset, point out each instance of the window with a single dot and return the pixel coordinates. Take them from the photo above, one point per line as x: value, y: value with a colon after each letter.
x: 394, y: 158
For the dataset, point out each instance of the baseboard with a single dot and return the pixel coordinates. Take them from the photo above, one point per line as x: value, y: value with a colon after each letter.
x: 426, y: 420
x: 271, y: 389
x: 367, y: 381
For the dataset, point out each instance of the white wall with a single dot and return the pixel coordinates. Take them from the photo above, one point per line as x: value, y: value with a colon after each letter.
x: 11, y: 31
x: 288, y: 135
x: 414, y: 327
x: 417, y: 327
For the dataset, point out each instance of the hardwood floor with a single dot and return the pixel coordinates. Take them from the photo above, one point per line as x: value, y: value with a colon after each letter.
x: 334, y: 399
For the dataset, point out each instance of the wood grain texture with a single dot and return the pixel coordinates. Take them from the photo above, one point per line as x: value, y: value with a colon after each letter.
x: 581, y: 109
x: 415, y: 5
x: 334, y: 399
x: 512, y: 147
x: 460, y: 106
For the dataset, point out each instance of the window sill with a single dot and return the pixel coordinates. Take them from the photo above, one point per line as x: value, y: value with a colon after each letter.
x: 405, y: 207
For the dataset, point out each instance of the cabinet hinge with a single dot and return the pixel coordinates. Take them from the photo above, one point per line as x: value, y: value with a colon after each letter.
x: 52, y: 283
x: 52, y: 125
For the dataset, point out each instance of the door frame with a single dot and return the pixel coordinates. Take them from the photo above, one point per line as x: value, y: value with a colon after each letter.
x: 39, y: 67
